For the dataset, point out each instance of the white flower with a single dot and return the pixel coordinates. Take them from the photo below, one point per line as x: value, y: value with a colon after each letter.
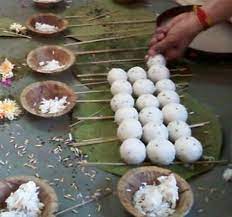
x: 6, y: 69
x: 9, y: 109
x: 18, y: 28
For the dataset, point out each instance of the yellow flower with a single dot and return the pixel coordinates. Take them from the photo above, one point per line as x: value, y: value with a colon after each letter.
x: 10, y: 109
x: 6, y: 69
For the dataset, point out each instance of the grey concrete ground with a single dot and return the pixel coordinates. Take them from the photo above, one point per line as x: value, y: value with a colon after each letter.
x: 212, y: 85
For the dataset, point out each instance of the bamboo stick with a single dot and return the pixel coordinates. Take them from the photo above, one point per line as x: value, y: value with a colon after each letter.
x: 181, y: 75
x: 93, y: 100
x: 111, y: 61
x: 92, y: 79
x: 103, y: 15
x: 17, y: 34
x: 96, y: 198
x: 85, y: 143
x: 111, y: 50
x: 75, y: 16
x: 102, y: 40
x: 92, y: 91
x: 95, y: 118
x: 114, y: 23
x: 200, y: 124
x: 92, y: 83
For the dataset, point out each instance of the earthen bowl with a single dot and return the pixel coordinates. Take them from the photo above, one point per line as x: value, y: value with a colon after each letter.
x: 47, y: 53
x: 33, y: 94
x: 47, y: 3
x: 47, y: 194
x: 46, y: 18
x: 133, y: 179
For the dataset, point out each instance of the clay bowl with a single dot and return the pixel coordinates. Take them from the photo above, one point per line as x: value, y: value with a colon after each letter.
x: 47, y: 3
x: 47, y: 194
x: 47, y: 18
x: 134, y: 178
x: 48, y: 53
x: 32, y: 95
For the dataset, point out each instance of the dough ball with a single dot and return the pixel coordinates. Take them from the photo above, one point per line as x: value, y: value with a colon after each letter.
x: 136, y: 73
x: 133, y: 151
x: 168, y: 96
x: 121, y: 86
x: 161, y: 151
x: 150, y: 114
x: 143, y: 86
x: 153, y: 131
x: 158, y: 59
x: 188, y: 149
x: 178, y: 129
x: 158, y: 72
x: 129, y: 128
x: 174, y: 112
x: 126, y: 113
x: 146, y: 100
x: 116, y: 74
x: 121, y: 100
x: 165, y: 84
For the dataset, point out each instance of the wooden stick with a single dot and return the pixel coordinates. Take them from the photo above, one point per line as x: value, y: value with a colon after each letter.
x: 111, y: 61
x: 92, y: 83
x: 102, y: 39
x: 181, y: 75
x: 75, y: 16
x: 92, y: 91
x: 95, y: 118
x: 200, y: 124
x: 93, y: 79
x: 111, y: 50
x: 103, y: 15
x: 17, y: 34
x: 84, y: 203
x: 114, y: 23
x: 79, y: 144
x: 93, y: 100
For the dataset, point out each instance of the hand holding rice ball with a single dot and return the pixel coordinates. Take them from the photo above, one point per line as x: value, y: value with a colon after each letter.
x: 129, y: 128
x: 178, y: 129
x: 158, y: 72
x: 121, y: 86
x: 150, y: 114
x: 158, y: 59
x: 133, y: 151
x: 125, y: 113
x: 165, y: 84
x: 136, y: 73
x: 116, y: 74
x: 143, y: 86
x: 147, y: 100
x: 153, y: 131
x: 174, y: 112
x: 168, y: 96
x: 161, y: 151
x: 188, y: 149
x: 121, y: 100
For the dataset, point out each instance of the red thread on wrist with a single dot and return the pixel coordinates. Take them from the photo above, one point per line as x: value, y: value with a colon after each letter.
x: 203, y: 18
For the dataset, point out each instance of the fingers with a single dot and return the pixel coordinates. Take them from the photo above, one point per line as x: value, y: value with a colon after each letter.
x: 173, y: 54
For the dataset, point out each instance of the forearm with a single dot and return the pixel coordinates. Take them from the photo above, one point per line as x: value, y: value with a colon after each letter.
x: 218, y: 10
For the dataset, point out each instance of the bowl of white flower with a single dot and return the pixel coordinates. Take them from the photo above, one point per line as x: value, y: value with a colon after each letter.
x: 48, y: 99
x: 154, y: 191
x: 50, y: 59
x: 47, y: 3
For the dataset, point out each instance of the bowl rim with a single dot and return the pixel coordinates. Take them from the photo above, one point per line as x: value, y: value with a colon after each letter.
x: 51, y: 72
x: 34, y: 30
x: 37, y: 84
x: 132, y: 210
x: 42, y: 184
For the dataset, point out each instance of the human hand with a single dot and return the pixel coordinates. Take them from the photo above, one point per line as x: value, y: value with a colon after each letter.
x: 172, y: 39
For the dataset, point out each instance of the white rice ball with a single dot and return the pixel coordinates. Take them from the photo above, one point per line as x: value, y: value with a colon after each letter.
x: 158, y: 72
x: 121, y: 86
x: 161, y: 151
x: 178, y: 129
x: 143, y: 86
x: 165, y: 84
x: 158, y: 59
x: 121, y: 100
x: 150, y: 114
x: 133, y: 151
x: 147, y: 100
x: 153, y: 131
x: 136, y: 73
x: 174, y: 112
x: 116, y: 74
x: 188, y: 149
x: 129, y: 128
x: 125, y: 113
x: 168, y: 96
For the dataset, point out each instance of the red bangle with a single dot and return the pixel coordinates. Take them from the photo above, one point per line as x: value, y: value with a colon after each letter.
x: 203, y: 18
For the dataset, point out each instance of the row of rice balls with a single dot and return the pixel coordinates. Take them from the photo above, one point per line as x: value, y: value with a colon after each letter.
x: 153, y: 133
